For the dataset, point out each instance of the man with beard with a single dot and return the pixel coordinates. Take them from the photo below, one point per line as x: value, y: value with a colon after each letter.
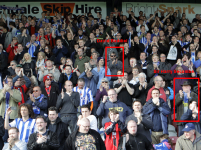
x: 43, y: 139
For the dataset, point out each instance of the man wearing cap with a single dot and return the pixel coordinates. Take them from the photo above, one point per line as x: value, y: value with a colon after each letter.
x: 190, y: 140
x: 49, y: 69
x: 59, y: 51
x: 183, y: 100
x: 51, y: 91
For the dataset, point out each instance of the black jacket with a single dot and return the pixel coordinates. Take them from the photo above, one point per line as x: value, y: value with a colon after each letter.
x: 61, y: 131
x: 3, y: 63
x: 63, y: 79
x: 27, y: 68
x: 136, y: 142
x: 137, y: 49
x: 145, y: 125
x: 140, y: 94
x: 51, y: 144
x: 70, y: 142
x: 54, y: 92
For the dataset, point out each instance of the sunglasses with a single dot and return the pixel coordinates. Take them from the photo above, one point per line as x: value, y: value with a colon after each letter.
x: 112, y: 55
x: 13, y: 65
x: 48, y: 79
x: 104, y: 82
x: 34, y: 91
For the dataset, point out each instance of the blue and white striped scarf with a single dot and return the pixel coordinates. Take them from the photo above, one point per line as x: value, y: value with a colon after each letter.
x: 35, y: 108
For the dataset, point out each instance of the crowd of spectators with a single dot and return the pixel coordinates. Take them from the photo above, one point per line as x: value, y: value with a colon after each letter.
x: 64, y: 86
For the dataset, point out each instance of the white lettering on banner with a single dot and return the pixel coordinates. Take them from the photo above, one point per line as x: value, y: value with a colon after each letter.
x: 77, y: 8
x: 149, y: 8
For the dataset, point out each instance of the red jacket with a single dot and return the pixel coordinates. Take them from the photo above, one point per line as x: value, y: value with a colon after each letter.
x: 162, y: 94
x: 10, y: 50
x: 109, y: 140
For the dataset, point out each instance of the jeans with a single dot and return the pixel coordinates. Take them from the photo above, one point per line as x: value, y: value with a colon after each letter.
x: 70, y: 120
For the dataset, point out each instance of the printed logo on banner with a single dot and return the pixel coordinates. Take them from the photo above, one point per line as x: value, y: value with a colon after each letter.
x: 58, y: 7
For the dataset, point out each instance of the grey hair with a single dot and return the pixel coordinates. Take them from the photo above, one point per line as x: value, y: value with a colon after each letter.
x: 13, y: 61
x: 142, y: 74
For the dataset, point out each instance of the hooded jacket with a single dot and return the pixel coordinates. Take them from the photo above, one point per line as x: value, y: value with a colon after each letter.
x: 121, y: 107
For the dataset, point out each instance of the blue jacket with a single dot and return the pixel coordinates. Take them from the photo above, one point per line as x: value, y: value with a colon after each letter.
x: 171, y: 93
x: 151, y: 109
x: 164, y: 145
x: 121, y: 107
x: 42, y: 105
x: 101, y: 75
x: 93, y: 81
x: 197, y: 63
x: 59, y: 53
x: 188, y: 116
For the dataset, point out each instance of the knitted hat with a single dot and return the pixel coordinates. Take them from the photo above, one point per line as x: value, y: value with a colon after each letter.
x: 46, y: 77
x: 99, y: 58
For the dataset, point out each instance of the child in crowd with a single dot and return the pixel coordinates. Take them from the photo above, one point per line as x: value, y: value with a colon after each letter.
x: 166, y: 143
x: 114, y: 130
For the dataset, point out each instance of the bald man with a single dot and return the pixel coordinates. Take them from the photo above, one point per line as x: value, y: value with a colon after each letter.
x: 67, y: 103
x: 132, y: 137
x: 84, y: 138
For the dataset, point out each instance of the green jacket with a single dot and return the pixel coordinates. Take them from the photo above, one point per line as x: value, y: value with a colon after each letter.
x: 80, y: 62
x: 185, y: 144
x: 13, y: 102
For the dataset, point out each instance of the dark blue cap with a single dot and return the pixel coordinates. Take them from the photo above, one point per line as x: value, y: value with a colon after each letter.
x: 188, y: 127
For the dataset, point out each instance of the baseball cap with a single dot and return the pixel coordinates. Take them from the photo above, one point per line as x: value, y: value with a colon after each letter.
x: 188, y: 127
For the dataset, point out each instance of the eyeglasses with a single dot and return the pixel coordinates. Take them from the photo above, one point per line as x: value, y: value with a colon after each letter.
x: 104, y: 82
x: 48, y: 79
x: 112, y: 95
x: 86, y: 126
x: 34, y: 91
x: 112, y: 55
x: 159, y: 80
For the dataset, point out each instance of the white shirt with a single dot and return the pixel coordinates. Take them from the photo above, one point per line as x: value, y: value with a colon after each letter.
x: 93, y: 122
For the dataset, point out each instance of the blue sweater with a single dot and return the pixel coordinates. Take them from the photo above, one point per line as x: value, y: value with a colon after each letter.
x: 121, y: 107
x: 101, y: 75
x: 93, y: 81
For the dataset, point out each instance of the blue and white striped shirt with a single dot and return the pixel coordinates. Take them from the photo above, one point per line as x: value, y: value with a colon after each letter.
x: 144, y: 41
x: 25, y: 128
x: 85, y: 95
x: 32, y: 48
